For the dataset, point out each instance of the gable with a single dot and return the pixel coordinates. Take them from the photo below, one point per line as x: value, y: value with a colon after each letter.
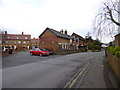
x: 47, y: 33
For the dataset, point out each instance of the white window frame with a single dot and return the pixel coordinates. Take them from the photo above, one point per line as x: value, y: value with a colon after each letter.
x: 24, y: 42
x: 17, y: 37
x: 26, y: 37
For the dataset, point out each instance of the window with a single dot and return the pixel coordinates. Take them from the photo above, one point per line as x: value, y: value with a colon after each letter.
x: 65, y: 45
x: 17, y: 37
x: 8, y: 37
x: 10, y: 41
x: 6, y: 41
x: 52, y: 41
x: 28, y: 42
x: 60, y: 46
x: 24, y: 42
x: 26, y: 37
x: 70, y: 41
x: 19, y: 41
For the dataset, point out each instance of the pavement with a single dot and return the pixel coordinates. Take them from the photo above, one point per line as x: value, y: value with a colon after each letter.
x: 98, y: 75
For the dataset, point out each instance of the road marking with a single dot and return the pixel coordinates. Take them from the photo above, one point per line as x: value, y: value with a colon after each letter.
x: 76, y: 76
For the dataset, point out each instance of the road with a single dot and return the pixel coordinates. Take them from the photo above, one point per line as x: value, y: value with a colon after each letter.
x: 50, y: 73
x: 22, y: 57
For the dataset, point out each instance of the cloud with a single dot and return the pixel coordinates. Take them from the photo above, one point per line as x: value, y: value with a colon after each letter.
x: 33, y: 16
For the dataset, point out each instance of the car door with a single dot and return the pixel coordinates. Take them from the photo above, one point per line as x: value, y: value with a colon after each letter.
x: 37, y: 51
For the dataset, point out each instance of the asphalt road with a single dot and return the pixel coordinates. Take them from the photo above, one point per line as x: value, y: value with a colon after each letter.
x: 49, y: 73
x: 22, y: 57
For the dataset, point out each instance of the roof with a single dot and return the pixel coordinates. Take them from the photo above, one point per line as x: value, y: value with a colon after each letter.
x: 57, y: 33
x: 78, y: 36
x: 14, y: 36
x: 117, y: 35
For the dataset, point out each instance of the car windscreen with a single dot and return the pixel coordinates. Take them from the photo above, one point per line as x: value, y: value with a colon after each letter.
x: 38, y: 50
x: 44, y: 49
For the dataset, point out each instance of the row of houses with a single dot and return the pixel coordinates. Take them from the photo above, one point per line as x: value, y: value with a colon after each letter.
x: 18, y: 41
x: 49, y: 38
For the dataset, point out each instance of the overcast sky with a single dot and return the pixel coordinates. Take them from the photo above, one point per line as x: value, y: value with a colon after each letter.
x: 33, y: 16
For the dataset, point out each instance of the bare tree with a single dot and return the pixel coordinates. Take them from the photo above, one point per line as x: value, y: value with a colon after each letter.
x: 106, y: 22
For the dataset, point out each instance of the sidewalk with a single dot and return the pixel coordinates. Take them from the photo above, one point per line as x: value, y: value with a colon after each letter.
x: 99, y: 75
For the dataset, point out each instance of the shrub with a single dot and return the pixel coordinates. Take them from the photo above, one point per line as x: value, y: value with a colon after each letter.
x: 115, y: 50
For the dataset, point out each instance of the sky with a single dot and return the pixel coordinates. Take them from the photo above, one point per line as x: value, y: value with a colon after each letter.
x: 34, y: 16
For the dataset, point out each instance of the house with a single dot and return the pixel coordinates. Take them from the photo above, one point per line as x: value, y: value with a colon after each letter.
x: 78, y: 41
x: 57, y: 41
x: 35, y: 42
x: 16, y: 41
x: 117, y: 40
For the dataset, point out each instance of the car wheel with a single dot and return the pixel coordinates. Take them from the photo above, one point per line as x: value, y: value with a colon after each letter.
x: 31, y: 54
x: 40, y: 54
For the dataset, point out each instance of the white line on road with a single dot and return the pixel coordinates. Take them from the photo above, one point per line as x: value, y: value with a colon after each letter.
x: 77, y: 75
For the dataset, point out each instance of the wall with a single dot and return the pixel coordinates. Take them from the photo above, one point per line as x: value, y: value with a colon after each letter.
x: 50, y: 41
x: 115, y: 65
x: 117, y: 40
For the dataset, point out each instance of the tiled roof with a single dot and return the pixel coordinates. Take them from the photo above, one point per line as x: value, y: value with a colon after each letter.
x: 59, y: 34
x: 78, y: 36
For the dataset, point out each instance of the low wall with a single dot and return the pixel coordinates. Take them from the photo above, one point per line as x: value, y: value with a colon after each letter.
x: 63, y: 52
x: 114, y: 62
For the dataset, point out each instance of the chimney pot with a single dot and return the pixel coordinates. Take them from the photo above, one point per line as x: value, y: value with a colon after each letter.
x: 66, y: 32
x: 61, y: 31
x: 5, y: 32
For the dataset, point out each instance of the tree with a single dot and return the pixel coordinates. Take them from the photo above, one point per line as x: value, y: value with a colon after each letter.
x: 106, y: 22
x: 88, y: 37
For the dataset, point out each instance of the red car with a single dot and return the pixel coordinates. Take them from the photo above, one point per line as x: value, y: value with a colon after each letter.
x: 39, y: 52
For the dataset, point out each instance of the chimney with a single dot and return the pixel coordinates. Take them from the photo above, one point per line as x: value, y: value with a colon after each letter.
x: 22, y: 33
x: 61, y: 31
x: 5, y: 32
x: 65, y: 31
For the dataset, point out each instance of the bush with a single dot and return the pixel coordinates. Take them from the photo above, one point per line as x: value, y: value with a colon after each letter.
x: 115, y: 50
x: 97, y: 47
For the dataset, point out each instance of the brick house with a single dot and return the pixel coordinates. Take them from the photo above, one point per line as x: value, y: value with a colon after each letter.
x: 78, y: 41
x: 117, y: 40
x: 57, y: 41
x: 35, y: 42
x: 16, y: 41
x: 54, y: 40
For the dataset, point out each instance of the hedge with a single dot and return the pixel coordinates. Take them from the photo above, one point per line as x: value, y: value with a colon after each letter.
x: 115, y: 50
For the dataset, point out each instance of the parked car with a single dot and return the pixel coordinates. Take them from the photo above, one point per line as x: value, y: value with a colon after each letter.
x: 50, y: 51
x: 39, y: 52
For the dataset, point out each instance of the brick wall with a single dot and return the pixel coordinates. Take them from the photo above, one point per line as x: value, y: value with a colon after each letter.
x: 50, y: 41
x: 117, y: 40
x: 114, y: 62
